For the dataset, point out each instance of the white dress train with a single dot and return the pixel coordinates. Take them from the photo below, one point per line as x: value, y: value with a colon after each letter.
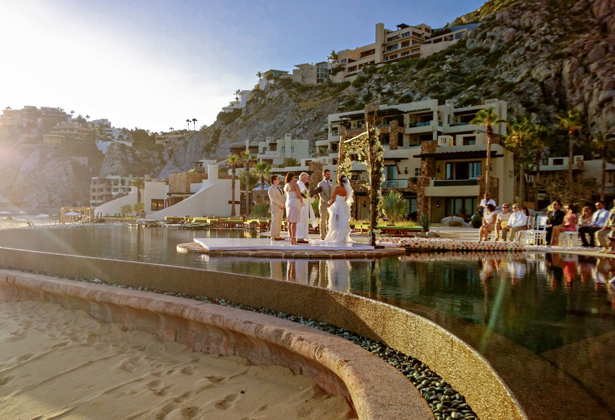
x: 339, y: 221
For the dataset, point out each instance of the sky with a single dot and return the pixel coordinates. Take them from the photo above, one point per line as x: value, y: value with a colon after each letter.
x: 153, y: 64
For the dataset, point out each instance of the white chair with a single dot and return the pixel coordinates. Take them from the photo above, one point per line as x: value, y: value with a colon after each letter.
x: 570, y: 239
x: 538, y: 235
x: 522, y: 235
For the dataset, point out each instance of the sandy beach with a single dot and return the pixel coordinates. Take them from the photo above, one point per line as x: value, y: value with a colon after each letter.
x: 63, y: 364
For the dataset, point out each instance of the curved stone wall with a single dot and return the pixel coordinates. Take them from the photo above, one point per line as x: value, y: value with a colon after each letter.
x: 375, y: 389
x: 455, y: 361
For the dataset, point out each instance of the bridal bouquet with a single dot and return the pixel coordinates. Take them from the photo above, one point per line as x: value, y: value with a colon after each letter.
x: 305, y: 194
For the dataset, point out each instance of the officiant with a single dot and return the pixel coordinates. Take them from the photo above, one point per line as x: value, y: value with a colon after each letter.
x: 307, y: 212
x: 324, y: 190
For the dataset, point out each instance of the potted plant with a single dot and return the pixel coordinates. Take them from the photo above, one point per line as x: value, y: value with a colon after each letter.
x: 424, y: 222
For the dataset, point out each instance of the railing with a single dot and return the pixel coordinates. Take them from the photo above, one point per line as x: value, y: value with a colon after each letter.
x: 454, y: 182
x: 395, y: 183
x: 419, y: 124
x: 459, y: 123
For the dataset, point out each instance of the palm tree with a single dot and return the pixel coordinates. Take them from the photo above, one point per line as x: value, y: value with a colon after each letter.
x: 263, y: 170
x: 521, y: 133
x: 252, y: 180
x: 570, y: 121
x: 539, y: 146
x: 247, y: 160
x: 194, y: 120
x: 72, y: 112
x: 290, y: 162
x: 394, y: 206
x: 171, y: 129
x: 232, y: 160
x: 188, y: 121
x: 139, y: 183
x: 332, y: 57
x: 259, y: 75
x: 487, y: 118
x: 87, y: 117
x: 601, y: 145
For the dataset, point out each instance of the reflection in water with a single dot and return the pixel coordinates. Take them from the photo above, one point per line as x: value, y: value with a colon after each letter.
x: 539, y: 301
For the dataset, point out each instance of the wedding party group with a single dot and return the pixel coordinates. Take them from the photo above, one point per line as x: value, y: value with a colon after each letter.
x: 296, y: 199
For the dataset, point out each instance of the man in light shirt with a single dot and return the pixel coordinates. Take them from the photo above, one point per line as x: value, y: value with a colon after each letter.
x: 603, y: 234
x: 599, y: 219
x: 516, y: 222
x: 485, y: 201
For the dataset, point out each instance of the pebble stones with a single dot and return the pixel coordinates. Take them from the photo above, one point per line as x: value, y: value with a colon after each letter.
x: 444, y: 401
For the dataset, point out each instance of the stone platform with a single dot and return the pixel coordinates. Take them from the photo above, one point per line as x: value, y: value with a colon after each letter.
x: 265, y: 248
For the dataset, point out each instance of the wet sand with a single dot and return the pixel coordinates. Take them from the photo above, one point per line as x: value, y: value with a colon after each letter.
x: 58, y: 363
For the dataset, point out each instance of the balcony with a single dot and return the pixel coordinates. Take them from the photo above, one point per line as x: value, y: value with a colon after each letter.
x: 419, y: 124
x: 454, y: 182
x: 459, y: 123
x: 395, y: 183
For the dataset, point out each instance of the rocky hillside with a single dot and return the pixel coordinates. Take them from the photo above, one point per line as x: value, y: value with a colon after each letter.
x: 543, y: 57
x: 42, y: 178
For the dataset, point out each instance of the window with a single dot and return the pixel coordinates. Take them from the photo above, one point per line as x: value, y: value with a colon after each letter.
x: 292, y: 150
x: 405, y: 44
x: 392, y: 47
x: 463, y: 170
x: 405, y: 34
x: 390, y: 172
x: 469, y: 140
x: 558, y: 161
x: 458, y: 35
x: 462, y: 205
x: 283, y: 149
x: 264, y: 149
x: 393, y: 38
x: 391, y: 57
x: 384, y: 139
x: 416, y: 34
x: 353, y: 68
x: 417, y: 171
x: 343, y: 61
x: 157, y: 204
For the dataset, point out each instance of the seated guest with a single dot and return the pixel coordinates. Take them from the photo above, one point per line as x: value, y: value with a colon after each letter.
x: 517, y: 222
x: 488, y: 223
x: 501, y: 221
x: 586, y: 217
x: 555, y: 218
x: 604, y: 234
x: 599, y: 219
x: 569, y: 225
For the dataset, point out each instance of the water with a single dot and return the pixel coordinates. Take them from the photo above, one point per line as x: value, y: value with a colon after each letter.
x: 541, y: 302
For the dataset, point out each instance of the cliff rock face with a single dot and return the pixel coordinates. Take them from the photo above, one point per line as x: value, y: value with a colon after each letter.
x: 542, y: 57
x: 40, y: 178
x: 123, y: 160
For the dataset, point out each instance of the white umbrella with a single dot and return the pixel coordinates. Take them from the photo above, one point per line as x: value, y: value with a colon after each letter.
x: 23, y: 212
x: 71, y: 213
x: 42, y: 216
x: 5, y: 212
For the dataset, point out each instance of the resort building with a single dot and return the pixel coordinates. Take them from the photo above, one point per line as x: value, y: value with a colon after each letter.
x: 65, y: 132
x: 106, y: 188
x: 405, y: 42
x: 433, y: 156
x: 276, y: 151
x: 243, y: 97
x: 312, y: 74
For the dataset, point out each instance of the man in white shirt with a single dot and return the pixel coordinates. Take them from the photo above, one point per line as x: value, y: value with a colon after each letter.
x: 599, y: 219
x: 485, y: 201
x: 516, y: 223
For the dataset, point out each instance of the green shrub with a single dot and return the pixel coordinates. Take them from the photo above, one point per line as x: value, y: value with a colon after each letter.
x: 424, y: 221
x: 336, y: 70
x: 261, y: 210
x: 358, y: 82
x: 368, y: 97
x: 370, y: 69
x: 228, y: 117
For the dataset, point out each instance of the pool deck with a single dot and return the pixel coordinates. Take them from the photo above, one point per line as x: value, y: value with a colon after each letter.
x: 266, y: 248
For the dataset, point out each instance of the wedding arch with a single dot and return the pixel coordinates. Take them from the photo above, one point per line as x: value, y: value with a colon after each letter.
x: 366, y: 148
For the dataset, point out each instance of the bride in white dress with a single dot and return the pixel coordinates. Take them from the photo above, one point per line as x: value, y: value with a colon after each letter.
x: 339, y: 212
